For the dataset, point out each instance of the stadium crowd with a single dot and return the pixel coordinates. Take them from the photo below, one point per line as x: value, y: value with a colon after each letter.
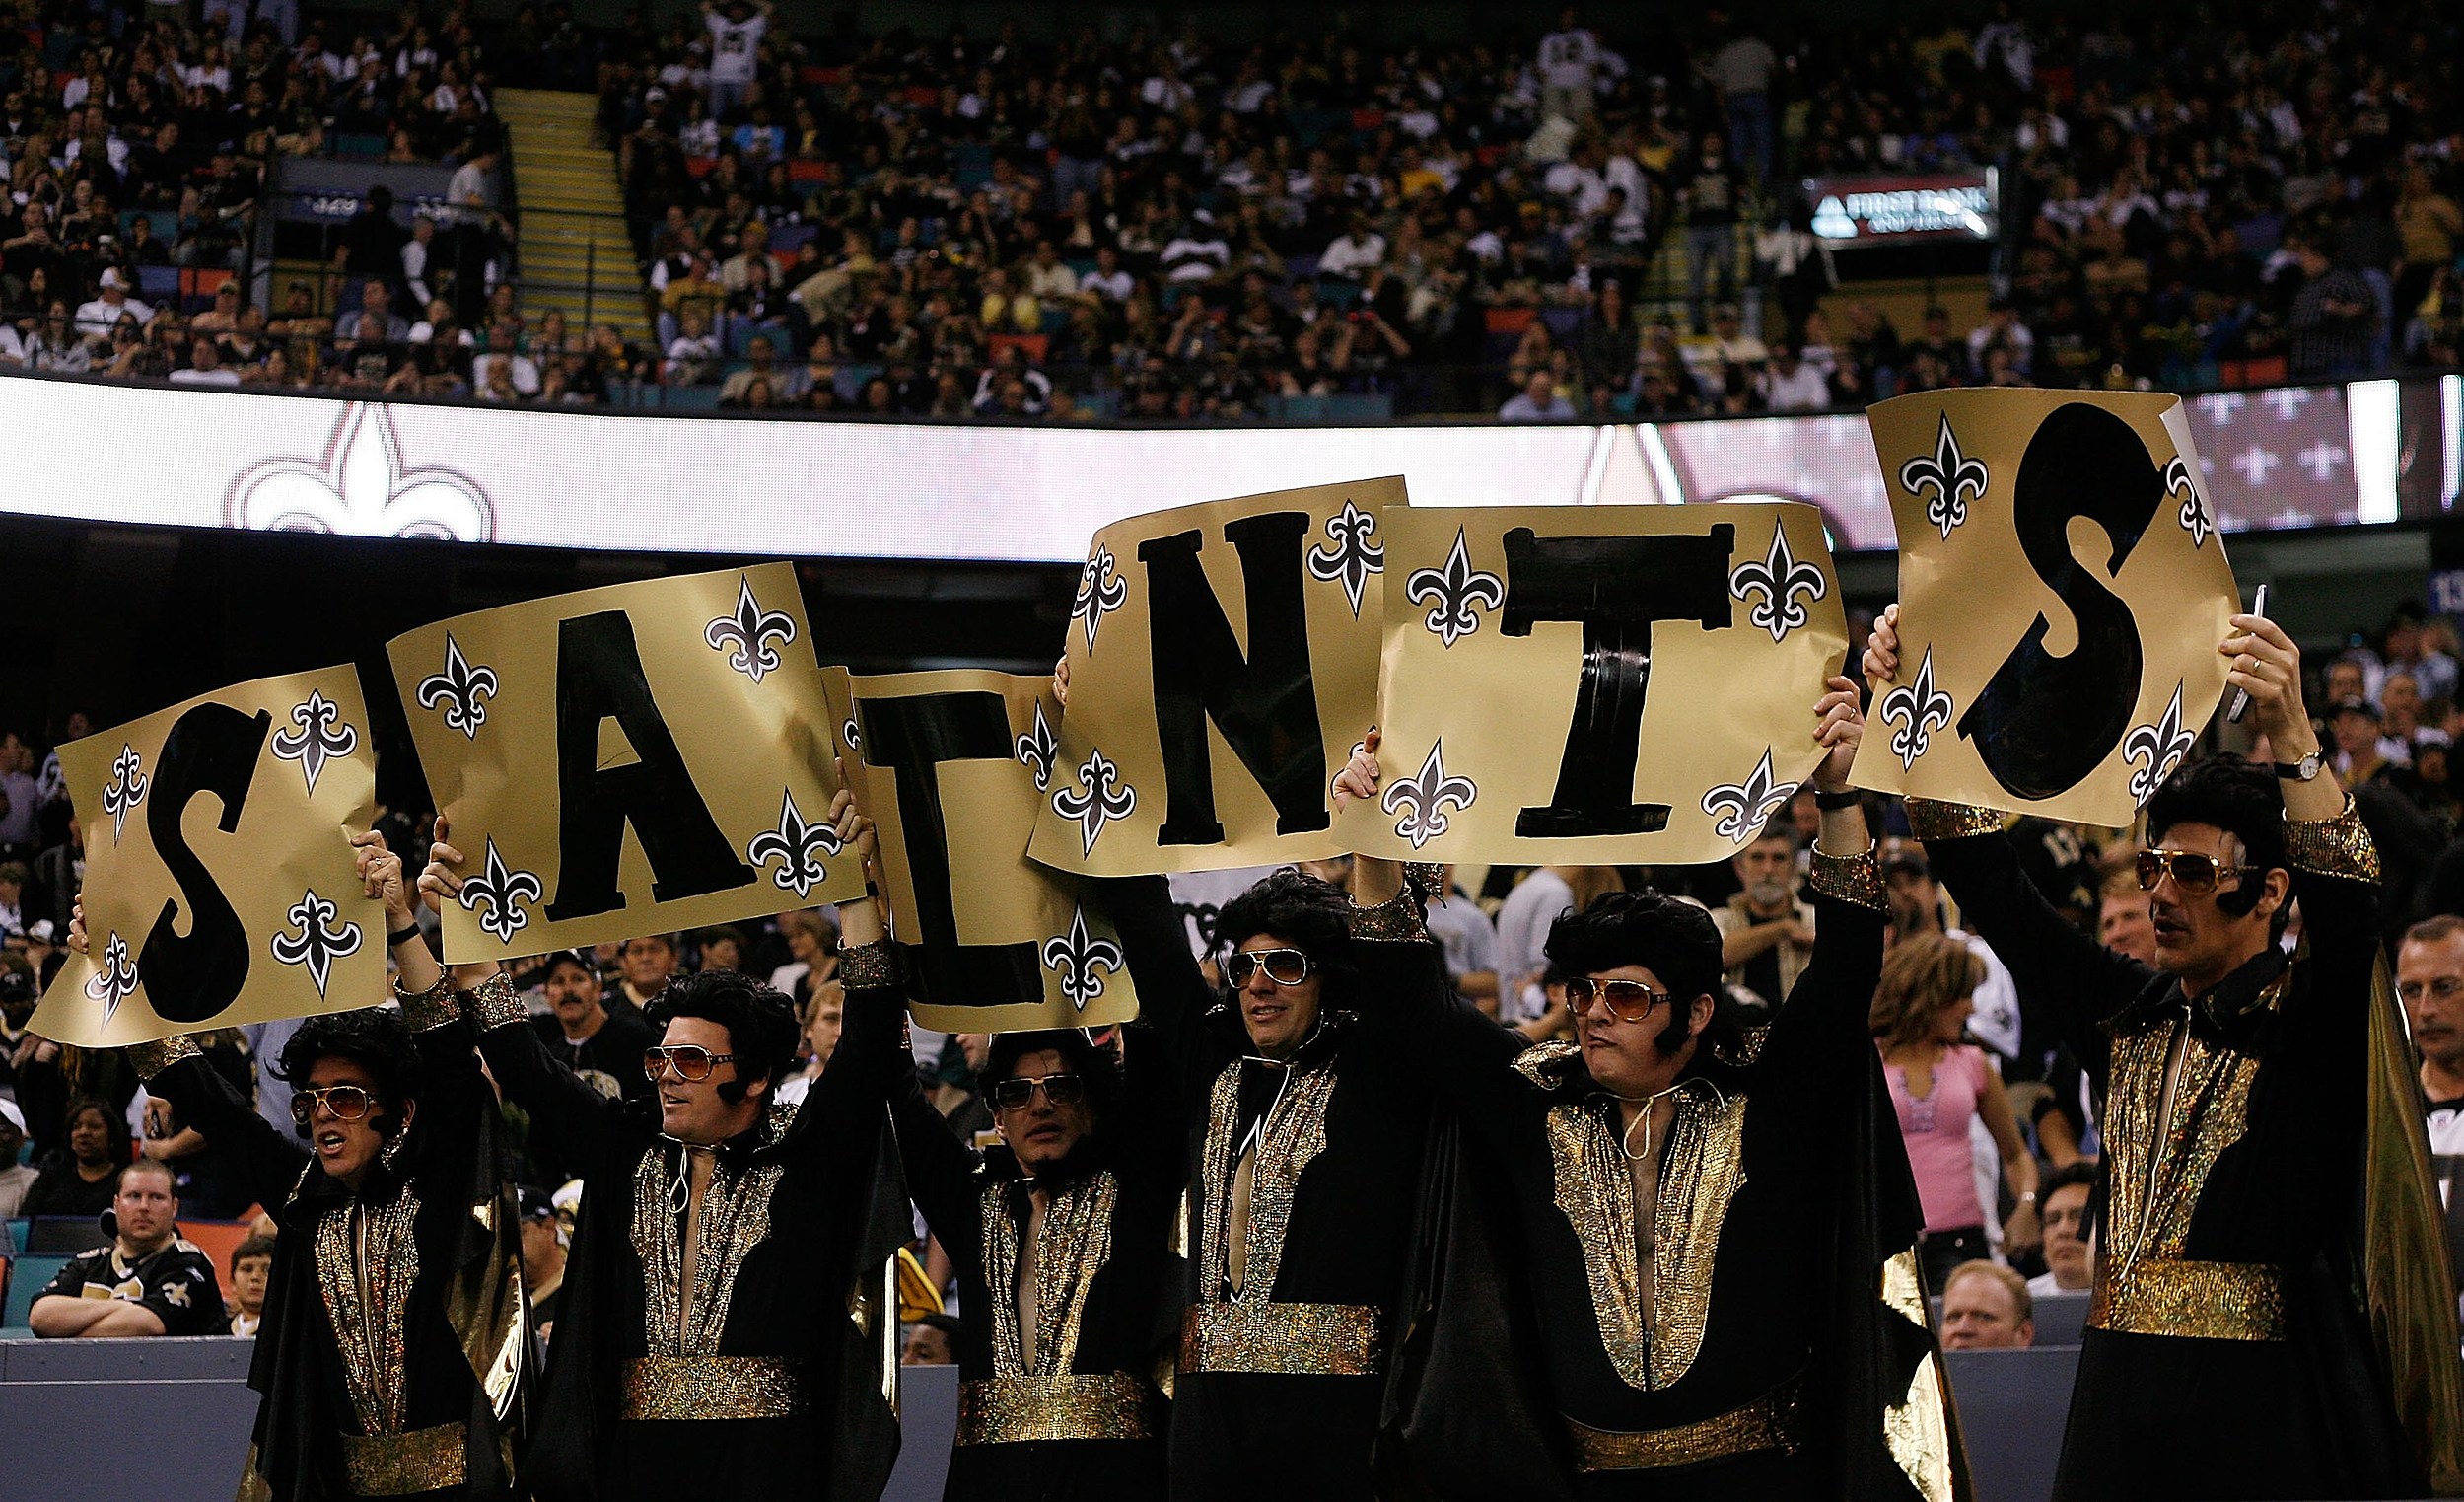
x: 1577, y: 224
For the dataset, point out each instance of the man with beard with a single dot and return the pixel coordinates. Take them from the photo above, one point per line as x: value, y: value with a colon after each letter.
x: 2260, y: 1324
x: 722, y: 1328
x: 1712, y: 1228
x: 1766, y: 935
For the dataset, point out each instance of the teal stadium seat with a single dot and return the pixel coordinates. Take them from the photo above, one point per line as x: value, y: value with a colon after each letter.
x: 28, y: 1276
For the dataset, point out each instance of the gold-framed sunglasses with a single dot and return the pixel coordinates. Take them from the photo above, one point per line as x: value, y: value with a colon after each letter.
x: 344, y: 1102
x: 691, y: 1061
x: 1626, y: 1000
x: 1019, y: 1090
x: 1284, y: 966
x: 2195, y: 871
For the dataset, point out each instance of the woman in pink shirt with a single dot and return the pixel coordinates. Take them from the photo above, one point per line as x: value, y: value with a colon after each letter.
x: 1940, y: 1086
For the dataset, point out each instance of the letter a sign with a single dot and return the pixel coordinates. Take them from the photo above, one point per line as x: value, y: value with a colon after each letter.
x: 626, y: 761
x: 2062, y: 589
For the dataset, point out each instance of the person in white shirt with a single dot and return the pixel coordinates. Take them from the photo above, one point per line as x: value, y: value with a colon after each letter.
x: 2063, y: 1197
x: 1793, y: 386
x: 96, y: 318
x: 15, y: 1178
x: 1570, y: 61
x: 206, y: 366
x: 1523, y: 931
x: 12, y: 348
x: 1108, y: 280
x: 1538, y: 402
x: 1353, y: 252
x: 735, y: 49
x: 1048, y: 278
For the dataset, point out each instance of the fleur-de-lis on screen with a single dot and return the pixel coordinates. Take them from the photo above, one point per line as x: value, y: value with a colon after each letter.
x: 1921, y: 709
x: 504, y: 888
x: 746, y: 635
x: 1095, y: 800
x: 1743, y: 808
x: 1038, y: 750
x: 1452, y: 592
x: 460, y: 689
x: 1077, y: 955
x: 1952, y: 476
x: 2178, y: 480
x: 1100, y: 589
x: 797, y: 847
x: 361, y: 489
x: 317, y: 732
x: 1428, y: 794
x: 125, y: 790
x: 318, y: 941
x: 115, y: 980
x: 2163, y: 744
x: 1352, y: 553
x: 1779, y: 578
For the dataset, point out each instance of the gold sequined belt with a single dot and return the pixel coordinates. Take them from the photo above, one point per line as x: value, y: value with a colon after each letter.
x: 2203, y: 1301
x: 1293, y: 1339
x: 405, y: 1465
x: 702, y: 1388
x: 1769, y: 1422
x: 1066, y: 1406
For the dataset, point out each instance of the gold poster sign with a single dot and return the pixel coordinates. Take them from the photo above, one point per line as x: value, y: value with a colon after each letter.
x: 221, y: 886
x: 632, y: 759
x: 2062, y: 589
x: 1222, y: 660
x: 1598, y: 685
x: 952, y: 766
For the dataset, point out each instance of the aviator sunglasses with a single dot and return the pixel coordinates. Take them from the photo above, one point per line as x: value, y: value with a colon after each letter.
x: 1013, y: 1093
x: 1626, y: 1000
x: 2193, y: 871
x: 691, y: 1061
x: 1284, y: 966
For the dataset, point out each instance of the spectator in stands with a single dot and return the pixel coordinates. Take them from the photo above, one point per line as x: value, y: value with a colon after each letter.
x: 147, y: 1282
x: 81, y: 1177
x: 205, y: 367
x: 1941, y: 1085
x: 694, y: 354
x: 95, y: 319
x: 930, y: 1341
x: 2333, y: 318
x: 2069, y: 1267
x: 542, y: 1260
x: 1986, y: 1307
x: 251, y: 1262
x: 16, y: 1178
x: 604, y: 1049
x: 824, y: 1020
x: 1766, y: 932
x: 1793, y: 386
x: 649, y: 963
x: 1539, y: 400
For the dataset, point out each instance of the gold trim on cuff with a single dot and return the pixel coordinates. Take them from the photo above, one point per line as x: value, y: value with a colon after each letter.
x: 405, y: 1465
x: 1852, y: 878
x: 1290, y: 1339
x: 1769, y: 1422
x: 1929, y: 820
x: 2202, y: 1301
x: 1396, y: 919
x: 1066, y: 1406
x: 2338, y: 847
x: 492, y: 1003
x: 151, y: 1059
x: 431, y: 1008
x: 699, y: 1388
x: 870, y: 966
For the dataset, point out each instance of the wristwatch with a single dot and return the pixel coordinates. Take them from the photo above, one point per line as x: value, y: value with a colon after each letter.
x: 2304, y: 770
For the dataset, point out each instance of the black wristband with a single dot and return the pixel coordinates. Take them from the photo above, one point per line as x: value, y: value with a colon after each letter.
x: 402, y: 936
x: 1832, y: 801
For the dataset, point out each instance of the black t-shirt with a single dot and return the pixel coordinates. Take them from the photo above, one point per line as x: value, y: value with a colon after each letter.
x: 177, y: 1284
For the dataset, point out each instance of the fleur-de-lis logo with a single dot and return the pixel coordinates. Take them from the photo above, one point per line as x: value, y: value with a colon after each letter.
x: 1037, y: 750
x: 125, y: 790
x: 317, y: 732
x: 797, y: 847
x: 116, y: 979
x: 460, y: 689
x: 1095, y: 800
x: 1952, y: 476
x: 361, y: 489
x: 319, y: 942
x: 1101, y: 589
x: 1428, y: 794
x: 849, y: 734
x: 1453, y: 591
x: 746, y: 635
x: 504, y: 888
x: 1779, y: 578
x: 1743, y: 808
x: 2178, y: 480
x: 1921, y: 709
x: 2163, y: 744
x: 1077, y: 955
x: 1351, y: 556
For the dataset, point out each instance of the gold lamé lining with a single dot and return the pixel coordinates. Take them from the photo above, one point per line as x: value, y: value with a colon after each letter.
x: 493, y: 1004
x: 2198, y: 1301
x: 404, y: 1465
x: 702, y: 1388
x: 367, y: 1263
x: 1092, y: 1405
x: 151, y: 1059
x: 2338, y: 847
x: 868, y: 966
x: 1928, y: 819
x: 1852, y: 878
x: 1769, y: 1422
x: 1290, y: 1339
x: 431, y: 1008
x: 1397, y: 918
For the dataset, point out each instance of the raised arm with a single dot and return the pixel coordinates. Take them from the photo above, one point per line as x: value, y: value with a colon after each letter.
x: 1827, y: 1010
x: 1173, y: 996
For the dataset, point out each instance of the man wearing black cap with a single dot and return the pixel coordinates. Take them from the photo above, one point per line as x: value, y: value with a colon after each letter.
x: 602, y: 1047
x: 542, y: 1260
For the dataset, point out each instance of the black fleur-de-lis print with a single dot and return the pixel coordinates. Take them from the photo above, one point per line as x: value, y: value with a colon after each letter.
x: 1350, y: 554
x: 1920, y: 709
x: 317, y: 732
x: 1952, y: 477
x: 798, y: 845
x: 320, y: 939
x: 1080, y: 958
x: 1423, y: 798
x: 503, y: 889
x: 1453, y: 592
x: 747, y: 635
x: 1739, y: 809
x: 1095, y: 800
x: 2161, y: 747
x: 1779, y: 578
x: 1100, y: 590
x: 463, y: 689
